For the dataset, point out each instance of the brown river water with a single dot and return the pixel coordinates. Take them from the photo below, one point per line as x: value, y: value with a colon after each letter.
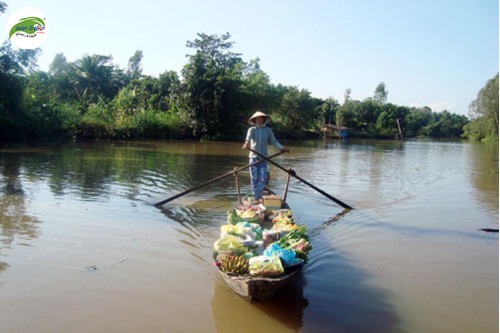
x: 84, y: 249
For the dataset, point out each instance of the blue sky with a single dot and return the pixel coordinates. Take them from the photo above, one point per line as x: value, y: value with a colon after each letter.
x: 436, y: 53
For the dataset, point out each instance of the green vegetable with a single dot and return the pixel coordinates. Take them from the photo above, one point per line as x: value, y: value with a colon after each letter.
x: 298, y: 241
x: 232, y: 217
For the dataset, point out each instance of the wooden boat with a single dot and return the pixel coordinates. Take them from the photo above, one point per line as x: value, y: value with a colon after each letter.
x: 261, y: 289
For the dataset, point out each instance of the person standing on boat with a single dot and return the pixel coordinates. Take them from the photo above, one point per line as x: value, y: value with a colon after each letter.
x: 259, y: 136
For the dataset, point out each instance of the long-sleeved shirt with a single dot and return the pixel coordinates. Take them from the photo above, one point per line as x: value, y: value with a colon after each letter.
x: 261, y: 137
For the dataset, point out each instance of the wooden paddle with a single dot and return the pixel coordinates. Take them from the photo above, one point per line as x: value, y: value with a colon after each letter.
x: 293, y: 174
x: 213, y: 180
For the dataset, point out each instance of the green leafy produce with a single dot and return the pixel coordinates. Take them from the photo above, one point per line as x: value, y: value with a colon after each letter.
x: 232, y: 217
x: 298, y: 241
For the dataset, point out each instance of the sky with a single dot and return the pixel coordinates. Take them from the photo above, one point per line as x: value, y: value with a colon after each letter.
x: 435, y: 53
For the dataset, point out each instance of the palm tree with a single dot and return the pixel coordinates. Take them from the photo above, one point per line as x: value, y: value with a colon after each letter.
x: 91, y: 78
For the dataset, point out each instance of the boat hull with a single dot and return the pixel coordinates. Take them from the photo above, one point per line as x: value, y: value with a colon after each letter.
x: 260, y: 289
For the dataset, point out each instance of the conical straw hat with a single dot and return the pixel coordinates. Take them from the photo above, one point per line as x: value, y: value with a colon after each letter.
x: 258, y: 114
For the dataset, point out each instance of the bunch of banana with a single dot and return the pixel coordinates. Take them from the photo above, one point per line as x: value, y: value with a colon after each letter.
x: 234, y: 264
x: 248, y: 214
x: 284, y: 217
x: 284, y: 222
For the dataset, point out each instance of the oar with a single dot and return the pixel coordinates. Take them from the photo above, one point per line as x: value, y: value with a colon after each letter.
x: 212, y: 181
x: 291, y: 172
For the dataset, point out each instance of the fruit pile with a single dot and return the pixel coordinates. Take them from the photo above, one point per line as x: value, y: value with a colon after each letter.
x: 245, y: 247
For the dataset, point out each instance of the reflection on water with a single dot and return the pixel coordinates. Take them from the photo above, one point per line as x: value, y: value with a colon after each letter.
x: 484, y: 175
x: 198, y: 221
x: 281, y: 314
x: 16, y: 222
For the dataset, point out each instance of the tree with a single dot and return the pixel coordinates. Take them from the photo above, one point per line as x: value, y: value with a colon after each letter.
x: 147, y: 94
x: 416, y: 120
x: 42, y: 115
x: 387, y: 121
x: 446, y: 125
x: 328, y: 110
x: 17, y: 62
x: 296, y: 111
x: 59, y: 65
x: 477, y: 129
x: 60, y: 81
x: 134, y: 70
x: 212, y: 48
x: 484, y: 112
x: 210, y: 91
x: 14, y: 67
x: 257, y: 88
x: 91, y: 78
x: 346, y: 114
x: 380, y: 95
x: 168, y: 85
x: 367, y: 114
x: 347, y: 95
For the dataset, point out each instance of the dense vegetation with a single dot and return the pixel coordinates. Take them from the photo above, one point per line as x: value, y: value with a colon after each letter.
x: 210, y: 99
x: 484, y: 113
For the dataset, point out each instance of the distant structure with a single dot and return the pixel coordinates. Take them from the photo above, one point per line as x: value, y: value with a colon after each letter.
x: 399, y: 137
x: 334, y: 131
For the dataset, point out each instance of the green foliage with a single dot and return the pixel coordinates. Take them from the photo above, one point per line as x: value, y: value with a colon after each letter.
x: 92, y: 78
x: 17, y: 62
x: 484, y: 113
x: 97, y: 122
x: 100, y: 121
x: 213, y: 98
x: 158, y: 125
x: 297, y: 111
x: 14, y: 65
x: 44, y: 115
x: 447, y: 125
x: 346, y: 114
x: 477, y: 129
x: 416, y: 120
x: 328, y: 111
x: 380, y: 95
x: 210, y: 95
x: 134, y: 71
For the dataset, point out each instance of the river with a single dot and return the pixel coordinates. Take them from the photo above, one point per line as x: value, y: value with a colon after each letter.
x: 84, y: 249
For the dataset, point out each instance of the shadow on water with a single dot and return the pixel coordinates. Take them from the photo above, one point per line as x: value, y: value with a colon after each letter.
x: 340, y: 297
x: 234, y: 314
x: 341, y: 301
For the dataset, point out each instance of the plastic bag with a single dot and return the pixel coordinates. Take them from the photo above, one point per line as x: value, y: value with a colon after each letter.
x: 288, y: 256
x: 254, y: 230
x: 229, y: 244
x: 265, y: 266
x: 230, y: 229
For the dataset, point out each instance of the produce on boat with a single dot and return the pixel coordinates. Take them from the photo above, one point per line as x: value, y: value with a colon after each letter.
x: 260, y: 250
